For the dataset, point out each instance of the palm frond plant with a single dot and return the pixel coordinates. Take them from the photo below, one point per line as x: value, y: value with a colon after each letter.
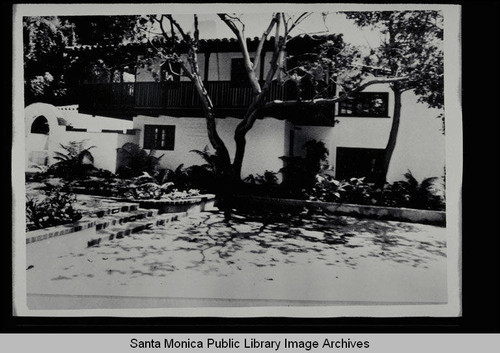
x: 423, y: 195
x: 212, y: 161
x: 75, y: 162
x: 135, y: 160
x: 206, y: 176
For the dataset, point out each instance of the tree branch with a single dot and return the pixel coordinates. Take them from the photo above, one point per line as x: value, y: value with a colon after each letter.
x: 240, y: 35
x: 179, y: 28
x: 263, y: 38
x: 329, y: 101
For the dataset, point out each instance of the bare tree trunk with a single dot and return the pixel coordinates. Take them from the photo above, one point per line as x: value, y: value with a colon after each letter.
x: 393, y: 135
x: 240, y: 139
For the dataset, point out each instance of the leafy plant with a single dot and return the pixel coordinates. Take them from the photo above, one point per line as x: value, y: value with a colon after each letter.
x: 423, y: 195
x: 135, y: 160
x: 299, y: 173
x: 354, y: 190
x: 268, y: 178
x: 406, y: 193
x: 56, y: 209
x: 212, y: 160
x: 75, y: 162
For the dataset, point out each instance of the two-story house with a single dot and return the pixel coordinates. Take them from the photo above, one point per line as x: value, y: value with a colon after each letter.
x: 158, y: 109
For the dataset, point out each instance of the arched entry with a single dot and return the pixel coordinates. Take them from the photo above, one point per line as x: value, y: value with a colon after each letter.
x: 38, y: 141
x: 41, y: 124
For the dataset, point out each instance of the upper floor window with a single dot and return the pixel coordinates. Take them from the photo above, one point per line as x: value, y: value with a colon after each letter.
x: 365, y: 104
x: 159, y: 137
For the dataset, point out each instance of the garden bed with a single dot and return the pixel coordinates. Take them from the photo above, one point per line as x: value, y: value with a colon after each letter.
x: 200, y: 202
x: 376, y: 212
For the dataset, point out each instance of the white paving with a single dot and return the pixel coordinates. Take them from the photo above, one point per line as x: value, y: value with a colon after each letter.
x: 320, y: 258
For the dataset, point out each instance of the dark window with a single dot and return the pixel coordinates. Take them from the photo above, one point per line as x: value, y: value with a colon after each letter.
x: 40, y: 126
x: 159, y: 137
x: 239, y: 75
x: 365, y: 104
x: 358, y: 163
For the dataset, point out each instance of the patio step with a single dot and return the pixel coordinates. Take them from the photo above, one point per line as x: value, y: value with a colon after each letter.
x: 118, y: 231
x: 101, y: 218
x: 127, y: 217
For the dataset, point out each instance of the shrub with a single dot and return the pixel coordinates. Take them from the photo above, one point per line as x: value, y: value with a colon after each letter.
x: 55, y: 209
x: 424, y: 195
x: 136, y: 160
x: 299, y: 173
x: 75, y: 162
x: 406, y: 193
x: 354, y: 190
x: 269, y: 178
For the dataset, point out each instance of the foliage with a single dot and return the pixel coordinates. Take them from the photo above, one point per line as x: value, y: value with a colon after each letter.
x: 354, y: 190
x: 135, y: 161
x: 55, y: 209
x: 45, y: 65
x: 423, y: 195
x: 268, y: 178
x: 299, y: 173
x: 75, y: 162
x: 406, y: 193
x: 95, y: 30
x: 412, y: 47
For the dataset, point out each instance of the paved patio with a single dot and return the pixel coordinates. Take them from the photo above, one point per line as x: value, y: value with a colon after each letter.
x: 307, y: 259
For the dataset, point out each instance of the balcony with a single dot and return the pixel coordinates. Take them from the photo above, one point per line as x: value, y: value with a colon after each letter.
x: 125, y: 100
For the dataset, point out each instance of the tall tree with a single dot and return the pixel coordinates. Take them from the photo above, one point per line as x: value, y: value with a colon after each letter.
x: 51, y: 74
x: 44, y: 43
x: 411, y: 47
x: 281, y: 25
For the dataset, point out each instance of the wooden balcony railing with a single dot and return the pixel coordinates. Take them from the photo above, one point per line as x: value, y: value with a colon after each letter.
x: 173, y: 98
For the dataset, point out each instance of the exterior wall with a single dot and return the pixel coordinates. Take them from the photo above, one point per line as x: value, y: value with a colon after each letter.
x: 265, y: 142
x: 219, y: 67
x: 147, y: 74
x: 92, y: 123
x: 106, y: 143
x: 420, y: 146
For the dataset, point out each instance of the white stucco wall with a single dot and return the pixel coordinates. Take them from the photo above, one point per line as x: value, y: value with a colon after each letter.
x: 265, y: 142
x: 219, y: 67
x: 420, y: 145
x: 106, y: 143
x: 92, y: 123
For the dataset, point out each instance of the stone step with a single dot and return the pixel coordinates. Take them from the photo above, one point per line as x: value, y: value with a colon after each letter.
x: 122, y: 212
x: 121, y: 218
x: 119, y: 231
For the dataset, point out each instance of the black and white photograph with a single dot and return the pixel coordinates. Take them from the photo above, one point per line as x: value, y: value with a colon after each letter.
x: 293, y: 160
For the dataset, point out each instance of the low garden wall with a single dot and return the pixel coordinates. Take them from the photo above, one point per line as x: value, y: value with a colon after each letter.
x: 191, y: 204
x: 194, y: 204
x: 378, y: 212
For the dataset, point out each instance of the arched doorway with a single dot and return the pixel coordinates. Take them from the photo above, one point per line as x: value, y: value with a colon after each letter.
x: 38, y: 141
x: 40, y: 126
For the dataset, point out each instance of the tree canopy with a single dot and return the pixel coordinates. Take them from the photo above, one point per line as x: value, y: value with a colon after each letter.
x: 411, y: 47
x: 44, y: 43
